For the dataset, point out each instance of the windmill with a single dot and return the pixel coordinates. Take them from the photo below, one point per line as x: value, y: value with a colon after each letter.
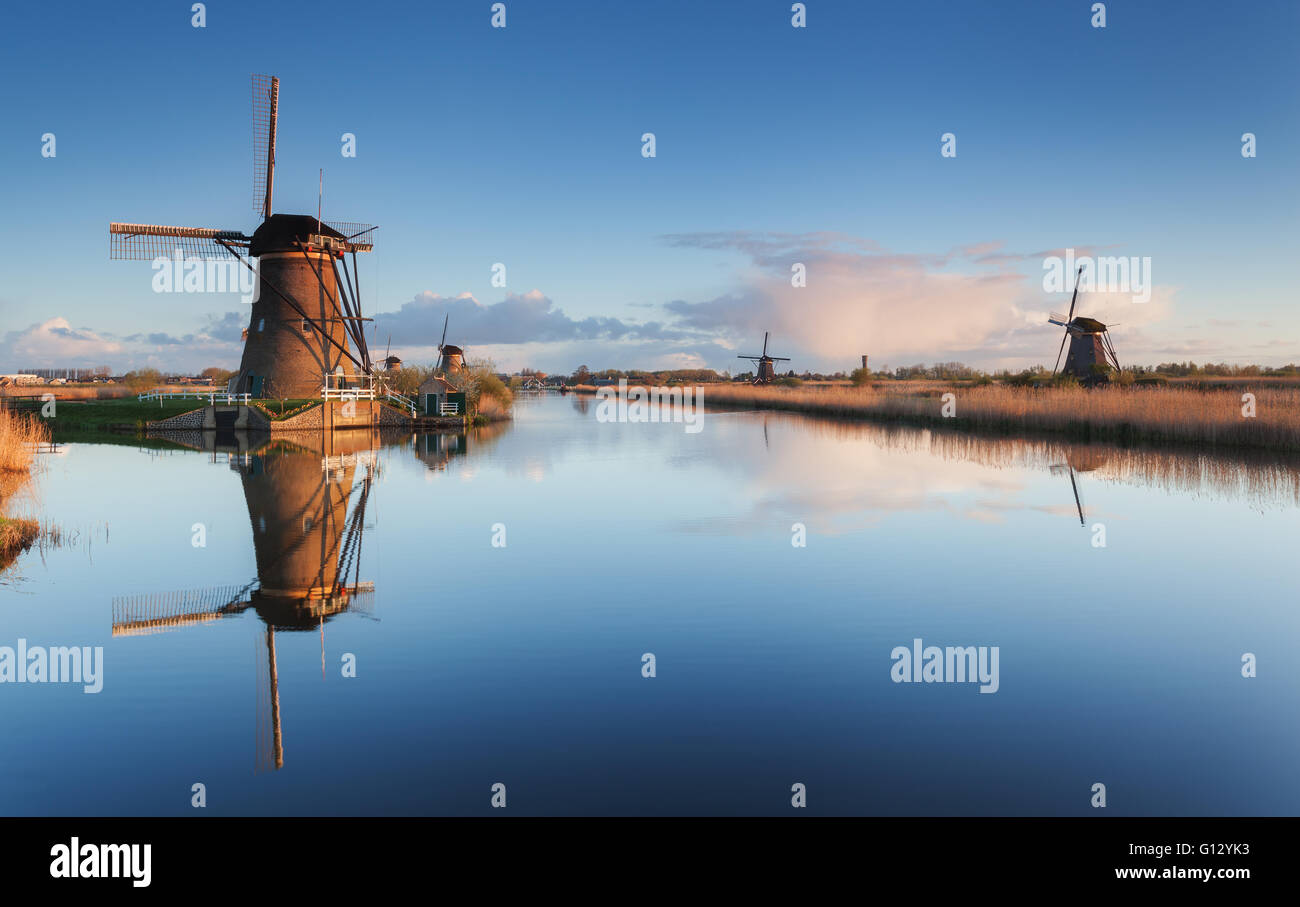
x: 391, y: 363
x: 308, y: 304
x: 306, y: 545
x: 450, y: 358
x: 1090, y: 345
x: 764, y: 362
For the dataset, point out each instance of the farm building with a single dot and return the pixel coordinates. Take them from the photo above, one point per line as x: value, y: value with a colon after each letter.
x: 438, y: 397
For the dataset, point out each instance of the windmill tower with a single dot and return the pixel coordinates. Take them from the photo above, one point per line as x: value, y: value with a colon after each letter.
x: 764, y: 362
x: 306, y: 545
x: 307, y: 306
x: 1090, y: 344
x: 450, y: 358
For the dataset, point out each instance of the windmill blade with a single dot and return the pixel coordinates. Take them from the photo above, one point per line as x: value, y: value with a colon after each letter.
x: 1076, y: 292
x: 268, y: 734
x: 779, y: 358
x: 443, y: 341
x: 765, y: 343
x: 1064, y: 337
x: 1077, y: 503
x: 266, y: 107
x: 149, y: 241
x: 139, y: 615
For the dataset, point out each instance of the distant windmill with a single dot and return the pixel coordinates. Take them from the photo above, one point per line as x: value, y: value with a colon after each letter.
x: 450, y: 358
x: 391, y: 363
x: 305, y: 311
x: 1089, y: 343
x: 764, y: 362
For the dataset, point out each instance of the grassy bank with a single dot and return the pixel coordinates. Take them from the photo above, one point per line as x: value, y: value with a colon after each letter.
x: 1184, y: 415
x: 128, y: 414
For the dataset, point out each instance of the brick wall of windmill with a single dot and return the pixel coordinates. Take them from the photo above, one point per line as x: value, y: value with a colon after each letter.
x: 293, y: 360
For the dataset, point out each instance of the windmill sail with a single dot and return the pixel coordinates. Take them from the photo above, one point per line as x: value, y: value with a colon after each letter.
x: 145, y: 242
x: 266, y: 109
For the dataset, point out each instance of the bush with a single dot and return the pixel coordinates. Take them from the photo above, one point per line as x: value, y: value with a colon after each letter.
x: 143, y: 380
x: 860, y: 377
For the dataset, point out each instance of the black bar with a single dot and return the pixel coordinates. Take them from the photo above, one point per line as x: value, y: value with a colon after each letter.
x: 978, y: 856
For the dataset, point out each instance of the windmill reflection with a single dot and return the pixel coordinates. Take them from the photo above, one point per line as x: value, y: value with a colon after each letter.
x: 1076, y: 461
x: 308, y: 513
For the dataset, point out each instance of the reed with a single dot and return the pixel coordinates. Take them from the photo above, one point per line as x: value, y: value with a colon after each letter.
x: 20, y: 433
x: 1190, y: 415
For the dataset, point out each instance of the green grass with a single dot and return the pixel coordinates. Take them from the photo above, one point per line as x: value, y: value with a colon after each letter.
x: 114, y: 415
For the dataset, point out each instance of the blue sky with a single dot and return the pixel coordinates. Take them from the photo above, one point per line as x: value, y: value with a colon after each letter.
x: 522, y: 146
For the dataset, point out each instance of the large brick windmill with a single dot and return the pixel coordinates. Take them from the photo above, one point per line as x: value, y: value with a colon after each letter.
x: 308, y: 303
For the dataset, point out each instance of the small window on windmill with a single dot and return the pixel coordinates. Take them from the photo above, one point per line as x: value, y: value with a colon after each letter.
x: 306, y: 524
x: 307, y: 326
x: 261, y: 324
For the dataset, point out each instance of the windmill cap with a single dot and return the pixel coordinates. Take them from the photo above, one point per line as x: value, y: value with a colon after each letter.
x: 1091, y: 325
x: 282, y: 233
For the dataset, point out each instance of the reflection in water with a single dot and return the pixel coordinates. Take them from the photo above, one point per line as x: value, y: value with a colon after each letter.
x: 1261, y: 478
x: 437, y: 450
x: 917, y: 533
x: 308, y: 520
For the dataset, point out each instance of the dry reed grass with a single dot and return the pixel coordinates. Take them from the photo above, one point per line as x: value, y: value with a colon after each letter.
x: 75, y: 392
x: 19, y: 435
x: 1126, y: 414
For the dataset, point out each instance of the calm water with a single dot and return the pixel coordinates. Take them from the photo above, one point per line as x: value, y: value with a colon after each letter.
x: 522, y: 664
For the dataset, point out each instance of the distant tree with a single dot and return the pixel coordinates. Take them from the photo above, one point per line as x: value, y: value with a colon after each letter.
x: 407, y: 379
x: 142, y: 379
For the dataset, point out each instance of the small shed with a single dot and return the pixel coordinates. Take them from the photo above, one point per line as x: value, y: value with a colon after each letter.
x: 439, y: 398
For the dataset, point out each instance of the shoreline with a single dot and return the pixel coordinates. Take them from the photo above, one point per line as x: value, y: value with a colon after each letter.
x: 1151, y: 415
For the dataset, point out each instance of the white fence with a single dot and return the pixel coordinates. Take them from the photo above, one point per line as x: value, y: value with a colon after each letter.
x: 211, y: 396
x: 374, y: 392
x: 327, y: 393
